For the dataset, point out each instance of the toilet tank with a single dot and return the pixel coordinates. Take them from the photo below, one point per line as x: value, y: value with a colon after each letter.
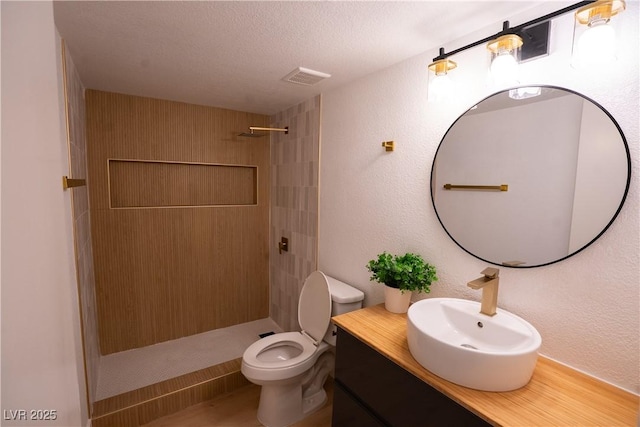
x: 344, y: 298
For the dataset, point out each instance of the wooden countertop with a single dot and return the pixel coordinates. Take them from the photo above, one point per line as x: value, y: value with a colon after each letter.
x: 556, y: 395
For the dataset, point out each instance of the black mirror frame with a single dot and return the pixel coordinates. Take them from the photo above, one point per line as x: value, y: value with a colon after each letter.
x: 615, y: 215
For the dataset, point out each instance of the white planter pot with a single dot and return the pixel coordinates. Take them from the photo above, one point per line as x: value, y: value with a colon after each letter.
x: 395, y: 301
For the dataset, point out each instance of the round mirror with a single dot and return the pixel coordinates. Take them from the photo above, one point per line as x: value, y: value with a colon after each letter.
x: 530, y: 176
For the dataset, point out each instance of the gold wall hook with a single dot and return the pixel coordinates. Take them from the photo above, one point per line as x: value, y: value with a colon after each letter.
x: 389, y: 145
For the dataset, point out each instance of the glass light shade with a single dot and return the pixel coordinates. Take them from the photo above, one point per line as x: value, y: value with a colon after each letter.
x: 505, y: 52
x: 440, y: 88
x: 597, y: 44
x: 594, y: 34
x: 504, y: 69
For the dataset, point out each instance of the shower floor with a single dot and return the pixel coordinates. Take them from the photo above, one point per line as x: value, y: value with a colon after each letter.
x: 133, y: 369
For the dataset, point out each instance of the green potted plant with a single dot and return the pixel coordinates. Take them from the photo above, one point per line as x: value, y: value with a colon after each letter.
x: 402, y: 274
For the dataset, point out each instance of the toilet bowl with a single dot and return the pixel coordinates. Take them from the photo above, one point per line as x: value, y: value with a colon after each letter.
x: 292, y: 367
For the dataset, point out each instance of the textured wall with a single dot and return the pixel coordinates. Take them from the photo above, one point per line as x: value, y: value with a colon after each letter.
x: 294, y: 207
x: 586, y: 307
x: 76, y: 128
x: 42, y: 364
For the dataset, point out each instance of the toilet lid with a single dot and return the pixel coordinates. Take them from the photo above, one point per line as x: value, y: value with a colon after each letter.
x: 314, y: 308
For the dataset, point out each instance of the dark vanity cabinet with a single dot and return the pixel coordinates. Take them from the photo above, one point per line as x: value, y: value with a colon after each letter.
x: 370, y: 390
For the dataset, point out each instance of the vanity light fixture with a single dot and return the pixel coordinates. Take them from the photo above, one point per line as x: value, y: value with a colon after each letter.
x: 594, y: 36
x: 440, y: 85
x: 521, y: 43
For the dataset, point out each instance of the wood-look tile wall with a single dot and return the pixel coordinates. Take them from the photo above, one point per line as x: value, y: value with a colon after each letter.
x: 75, y: 113
x: 163, y: 274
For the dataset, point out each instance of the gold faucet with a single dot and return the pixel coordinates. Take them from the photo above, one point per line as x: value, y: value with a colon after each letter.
x: 489, y: 285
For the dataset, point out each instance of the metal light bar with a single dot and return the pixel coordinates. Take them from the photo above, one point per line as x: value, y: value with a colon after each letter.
x: 513, y: 30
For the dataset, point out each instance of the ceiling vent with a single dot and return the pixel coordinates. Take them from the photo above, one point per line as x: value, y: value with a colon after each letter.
x: 305, y: 76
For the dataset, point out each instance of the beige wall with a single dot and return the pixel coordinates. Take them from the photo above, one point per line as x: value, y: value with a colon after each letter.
x: 294, y: 207
x: 42, y: 365
x: 167, y: 272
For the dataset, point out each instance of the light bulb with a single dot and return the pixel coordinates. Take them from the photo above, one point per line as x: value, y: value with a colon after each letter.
x: 597, y: 44
x: 440, y: 88
x: 504, y: 69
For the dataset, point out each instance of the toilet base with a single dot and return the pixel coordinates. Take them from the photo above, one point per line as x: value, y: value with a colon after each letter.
x: 283, y: 405
x: 312, y: 403
x: 279, y: 405
x: 287, y: 401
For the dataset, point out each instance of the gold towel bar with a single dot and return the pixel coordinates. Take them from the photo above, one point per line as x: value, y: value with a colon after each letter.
x: 503, y: 187
x: 70, y: 182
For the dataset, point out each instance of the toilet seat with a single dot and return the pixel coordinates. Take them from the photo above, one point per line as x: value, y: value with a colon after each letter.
x: 252, y: 355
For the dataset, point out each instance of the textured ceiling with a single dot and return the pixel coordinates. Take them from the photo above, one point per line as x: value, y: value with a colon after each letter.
x: 235, y: 54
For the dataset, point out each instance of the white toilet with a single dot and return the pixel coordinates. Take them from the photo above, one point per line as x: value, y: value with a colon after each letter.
x: 291, y: 367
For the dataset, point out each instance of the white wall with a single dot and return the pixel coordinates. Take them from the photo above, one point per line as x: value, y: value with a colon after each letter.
x: 586, y: 307
x: 42, y: 366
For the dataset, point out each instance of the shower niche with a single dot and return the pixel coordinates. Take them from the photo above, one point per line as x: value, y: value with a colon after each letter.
x: 155, y: 184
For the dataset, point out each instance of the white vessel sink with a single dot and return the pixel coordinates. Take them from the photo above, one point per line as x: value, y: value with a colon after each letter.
x: 450, y: 338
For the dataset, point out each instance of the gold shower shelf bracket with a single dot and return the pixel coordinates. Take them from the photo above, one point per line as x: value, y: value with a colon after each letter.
x: 71, y: 182
x: 503, y: 187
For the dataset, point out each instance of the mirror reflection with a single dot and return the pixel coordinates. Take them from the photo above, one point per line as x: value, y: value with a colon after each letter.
x: 565, y: 164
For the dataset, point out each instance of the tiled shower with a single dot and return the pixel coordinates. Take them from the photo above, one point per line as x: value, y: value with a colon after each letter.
x: 294, y: 159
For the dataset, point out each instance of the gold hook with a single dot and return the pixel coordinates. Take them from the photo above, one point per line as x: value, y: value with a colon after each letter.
x: 389, y: 145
